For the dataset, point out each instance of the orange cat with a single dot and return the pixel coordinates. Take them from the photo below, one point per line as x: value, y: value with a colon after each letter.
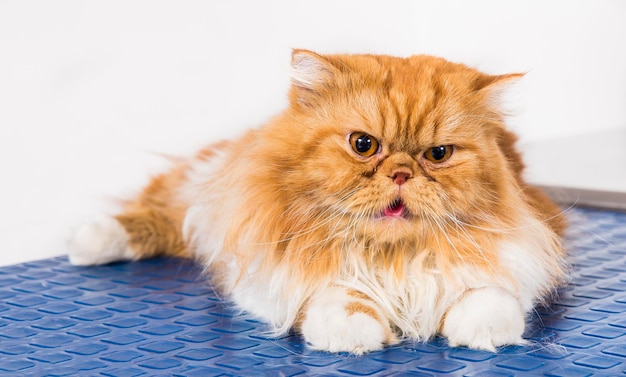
x: 385, y: 203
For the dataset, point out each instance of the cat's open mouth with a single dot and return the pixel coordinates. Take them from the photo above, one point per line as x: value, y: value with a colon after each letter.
x: 395, y: 209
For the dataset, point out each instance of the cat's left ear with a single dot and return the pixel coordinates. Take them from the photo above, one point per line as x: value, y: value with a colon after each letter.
x: 497, y: 87
x: 311, y: 75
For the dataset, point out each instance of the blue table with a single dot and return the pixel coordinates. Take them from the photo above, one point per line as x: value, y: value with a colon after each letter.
x: 160, y: 317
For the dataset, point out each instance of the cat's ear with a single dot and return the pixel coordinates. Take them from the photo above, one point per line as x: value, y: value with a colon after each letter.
x: 497, y: 89
x: 496, y: 82
x: 311, y: 74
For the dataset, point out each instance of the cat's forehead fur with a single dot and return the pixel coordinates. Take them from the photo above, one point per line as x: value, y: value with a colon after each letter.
x: 313, y: 72
x: 419, y: 99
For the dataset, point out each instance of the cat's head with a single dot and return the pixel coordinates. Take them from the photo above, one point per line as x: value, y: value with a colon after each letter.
x: 387, y: 147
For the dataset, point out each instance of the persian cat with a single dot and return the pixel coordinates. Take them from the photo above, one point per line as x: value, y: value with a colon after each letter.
x: 385, y: 203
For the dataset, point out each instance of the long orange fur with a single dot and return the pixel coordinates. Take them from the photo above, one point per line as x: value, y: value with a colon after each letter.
x: 294, y: 197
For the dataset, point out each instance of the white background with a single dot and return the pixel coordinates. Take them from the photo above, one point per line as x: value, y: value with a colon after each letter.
x: 90, y: 92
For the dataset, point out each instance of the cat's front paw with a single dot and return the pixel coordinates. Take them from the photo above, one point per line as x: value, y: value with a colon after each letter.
x: 102, y: 241
x: 484, y: 319
x: 337, y: 322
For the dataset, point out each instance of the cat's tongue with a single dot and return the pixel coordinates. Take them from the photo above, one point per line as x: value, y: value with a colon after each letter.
x: 395, y: 209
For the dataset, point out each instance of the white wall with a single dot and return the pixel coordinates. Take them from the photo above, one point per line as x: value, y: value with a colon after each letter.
x: 89, y: 90
x: 574, y: 53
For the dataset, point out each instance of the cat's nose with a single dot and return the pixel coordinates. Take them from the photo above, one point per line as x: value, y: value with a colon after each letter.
x: 400, y: 177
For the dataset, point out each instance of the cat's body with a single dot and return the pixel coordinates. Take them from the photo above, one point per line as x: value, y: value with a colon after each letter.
x: 386, y: 202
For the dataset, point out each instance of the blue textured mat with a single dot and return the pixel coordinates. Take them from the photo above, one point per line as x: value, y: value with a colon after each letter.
x: 159, y: 317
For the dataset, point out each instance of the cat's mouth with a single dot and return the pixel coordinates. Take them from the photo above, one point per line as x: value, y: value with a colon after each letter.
x: 395, y: 209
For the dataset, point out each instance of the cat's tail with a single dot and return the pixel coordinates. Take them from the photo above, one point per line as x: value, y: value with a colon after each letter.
x: 152, y: 223
x: 129, y: 236
x: 102, y: 241
x: 149, y: 226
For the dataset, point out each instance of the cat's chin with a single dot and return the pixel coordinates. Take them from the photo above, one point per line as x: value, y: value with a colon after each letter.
x: 393, y: 224
x: 391, y: 230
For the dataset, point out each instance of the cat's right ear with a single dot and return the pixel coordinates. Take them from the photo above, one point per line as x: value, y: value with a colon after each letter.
x: 311, y: 74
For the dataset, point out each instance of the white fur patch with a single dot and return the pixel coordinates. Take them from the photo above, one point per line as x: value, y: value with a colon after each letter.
x: 330, y: 327
x: 102, y: 241
x: 533, y: 261
x: 485, y: 319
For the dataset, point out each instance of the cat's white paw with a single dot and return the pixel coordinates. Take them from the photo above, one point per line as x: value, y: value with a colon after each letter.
x: 485, y: 319
x: 102, y: 241
x: 336, y: 322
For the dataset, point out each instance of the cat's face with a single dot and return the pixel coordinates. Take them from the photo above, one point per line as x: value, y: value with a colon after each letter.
x: 385, y: 145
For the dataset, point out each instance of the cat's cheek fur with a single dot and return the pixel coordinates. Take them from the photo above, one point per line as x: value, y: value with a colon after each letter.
x: 334, y: 321
x: 102, y: 241
x: 484, y: 319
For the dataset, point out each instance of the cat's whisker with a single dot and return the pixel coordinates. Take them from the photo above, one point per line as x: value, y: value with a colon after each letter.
x: 511, y: 229
x: 443, y: 232
x: 329, y: 214
x: 459, y: 228
x: 461, y: 233
x: 353, y: 226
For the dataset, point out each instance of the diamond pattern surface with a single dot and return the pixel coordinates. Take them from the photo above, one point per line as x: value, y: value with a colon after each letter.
x: 160, y: 317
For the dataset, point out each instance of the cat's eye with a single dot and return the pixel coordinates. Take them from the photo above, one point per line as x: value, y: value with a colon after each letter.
x: 364, y: 144
x: 439, y: 154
